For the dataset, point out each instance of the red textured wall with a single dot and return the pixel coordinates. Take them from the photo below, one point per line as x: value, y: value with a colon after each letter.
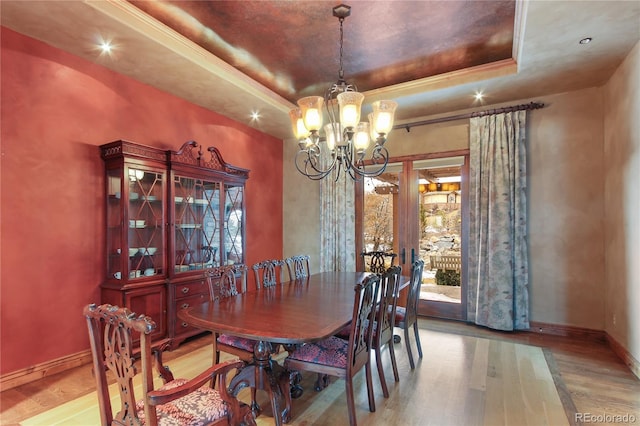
x: 56, y: 110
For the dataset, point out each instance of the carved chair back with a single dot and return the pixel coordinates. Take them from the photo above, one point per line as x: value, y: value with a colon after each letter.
x: 298, y: 266
x: 385, y: 322
x: 223, y: 281
x: 361, y: 334
x: 268, y: 273
x: 389, y: 289
x: 414, y: 293
x: 378, y: 261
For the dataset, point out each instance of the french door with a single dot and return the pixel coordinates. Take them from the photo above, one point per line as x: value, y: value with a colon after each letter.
x: 418, y: 209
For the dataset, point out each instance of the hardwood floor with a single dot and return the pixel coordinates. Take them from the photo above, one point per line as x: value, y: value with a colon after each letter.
x: 469, y: 375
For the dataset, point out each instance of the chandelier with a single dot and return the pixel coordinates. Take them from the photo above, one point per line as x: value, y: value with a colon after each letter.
x: 346, y: 139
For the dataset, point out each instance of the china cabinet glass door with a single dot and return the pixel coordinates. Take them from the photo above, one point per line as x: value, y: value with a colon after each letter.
x: 115, y: 220
x: 197, y: 224
x: 135, y: 213
x: 234, y: 224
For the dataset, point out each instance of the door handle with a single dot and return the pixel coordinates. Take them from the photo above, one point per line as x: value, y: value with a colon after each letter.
x: 402, y: 256
x: 413, y: 255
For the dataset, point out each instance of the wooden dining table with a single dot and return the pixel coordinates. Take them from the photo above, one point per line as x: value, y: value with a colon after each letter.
x: 292, y: 313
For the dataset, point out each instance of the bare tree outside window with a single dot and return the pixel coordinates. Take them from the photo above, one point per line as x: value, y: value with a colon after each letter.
x: 378, y: 222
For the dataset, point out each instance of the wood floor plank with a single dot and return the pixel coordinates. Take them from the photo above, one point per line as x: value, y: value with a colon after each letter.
x: 478, y: 379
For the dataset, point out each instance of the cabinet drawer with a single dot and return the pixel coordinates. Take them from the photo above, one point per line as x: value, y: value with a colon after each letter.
x: 180, y: 326
x: 194, y: 299
x: 191, y: 289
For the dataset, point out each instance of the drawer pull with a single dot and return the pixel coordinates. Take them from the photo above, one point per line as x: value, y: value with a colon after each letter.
x: 185, y: 290
x: 185, y: 305
x: 185, y: 325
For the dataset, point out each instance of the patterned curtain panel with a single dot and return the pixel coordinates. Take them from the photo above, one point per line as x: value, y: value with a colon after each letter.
x: 337, y: 224
x: 498, y: 257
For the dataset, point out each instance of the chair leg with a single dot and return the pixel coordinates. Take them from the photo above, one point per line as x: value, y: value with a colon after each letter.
x: 394, y: 364
x: 216, y: 359
x: 322, y: 382
x: 351, y: 406
x: 383, y: 382
x: 415, y: 331
x: 408, y: 344
x: 372, y: 399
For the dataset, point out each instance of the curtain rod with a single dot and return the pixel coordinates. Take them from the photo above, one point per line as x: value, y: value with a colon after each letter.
x: 529, y: 106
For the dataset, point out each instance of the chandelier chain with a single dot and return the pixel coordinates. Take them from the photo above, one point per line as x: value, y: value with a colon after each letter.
x: 341, y: 71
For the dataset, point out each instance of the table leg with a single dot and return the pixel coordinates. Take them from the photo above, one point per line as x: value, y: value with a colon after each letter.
x: 264, y: 374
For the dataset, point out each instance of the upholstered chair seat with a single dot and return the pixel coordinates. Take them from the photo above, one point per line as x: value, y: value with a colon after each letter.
x: 237, y: 342
x: 203, y: 406
x: 331, y: 352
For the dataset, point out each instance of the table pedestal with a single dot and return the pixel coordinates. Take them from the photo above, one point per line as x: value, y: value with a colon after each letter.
x: 266, y: 375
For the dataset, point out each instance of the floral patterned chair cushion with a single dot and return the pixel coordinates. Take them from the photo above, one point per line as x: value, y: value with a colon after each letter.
x: 198, y: 408
x: 237, y: 342
x: 331, y: 352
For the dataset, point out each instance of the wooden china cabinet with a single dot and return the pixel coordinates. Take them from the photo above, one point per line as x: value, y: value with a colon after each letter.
x: 170, y: 217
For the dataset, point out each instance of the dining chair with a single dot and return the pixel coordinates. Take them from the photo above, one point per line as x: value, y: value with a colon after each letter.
x: 377, y: 261
x: 384, y: 323
x: 407, y: 317
x: 297, y: 266
x: 341, y: 358
x: 112, y: 331
x: 222, y: 281
x: 268, y: 273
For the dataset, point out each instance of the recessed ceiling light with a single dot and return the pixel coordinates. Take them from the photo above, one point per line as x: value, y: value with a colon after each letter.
x: 255, y: 116
x: 585, y: 40
x: 478, y: 95
x: 105, y: 46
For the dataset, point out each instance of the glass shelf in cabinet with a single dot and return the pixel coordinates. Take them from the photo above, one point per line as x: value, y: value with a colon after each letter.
x: 189, y: 225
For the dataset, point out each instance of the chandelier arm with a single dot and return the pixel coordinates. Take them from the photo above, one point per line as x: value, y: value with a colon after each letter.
x: 353, y: 175
x: 380, y: 152
x: 300, y: 157
x: 383, y: 154
x: 310, y: 164
x: 328, y: 169
x: 312, y: 176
